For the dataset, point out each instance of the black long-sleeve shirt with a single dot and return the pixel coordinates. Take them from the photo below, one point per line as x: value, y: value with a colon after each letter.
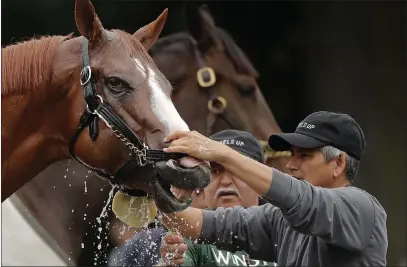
x: 304, y: 225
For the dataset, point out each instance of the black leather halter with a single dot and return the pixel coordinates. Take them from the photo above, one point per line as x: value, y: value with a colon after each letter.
x: 141, y: 155
x: 217, y: 104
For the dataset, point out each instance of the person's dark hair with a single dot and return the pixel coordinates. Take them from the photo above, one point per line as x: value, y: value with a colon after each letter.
x: 352, y: 164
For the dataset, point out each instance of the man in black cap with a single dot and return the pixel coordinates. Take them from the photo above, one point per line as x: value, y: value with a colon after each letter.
x: 315, y: 217
x: 224, y: 189
x: 334, y: 136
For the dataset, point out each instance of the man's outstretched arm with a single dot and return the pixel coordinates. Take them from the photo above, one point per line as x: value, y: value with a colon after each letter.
x: 230, y: 229
x: 342, y: 216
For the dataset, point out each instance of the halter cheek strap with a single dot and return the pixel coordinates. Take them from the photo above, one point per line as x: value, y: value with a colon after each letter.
x: 217, y: 105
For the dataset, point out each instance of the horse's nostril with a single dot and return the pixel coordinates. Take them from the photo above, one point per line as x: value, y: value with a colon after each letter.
x: 155, y: 138
x: 155, y: 131
x: 164, y: 145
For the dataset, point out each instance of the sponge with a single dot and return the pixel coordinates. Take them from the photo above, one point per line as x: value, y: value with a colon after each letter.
x: 137, y: 212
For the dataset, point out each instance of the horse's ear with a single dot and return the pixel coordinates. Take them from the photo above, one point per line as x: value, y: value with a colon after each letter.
x: 201, y: 24
x: 87, y: 21
x: 148, y: 34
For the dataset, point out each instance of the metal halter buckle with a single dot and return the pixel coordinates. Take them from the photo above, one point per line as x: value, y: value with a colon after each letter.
x: 142, y: 155
x: 86, y: 73
x: 201, y: 80
x: 215, y: 109
x: 95, y: 112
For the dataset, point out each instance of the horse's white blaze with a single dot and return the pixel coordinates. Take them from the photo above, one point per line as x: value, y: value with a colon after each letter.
x: 164, y: 109
x: 161, y: 104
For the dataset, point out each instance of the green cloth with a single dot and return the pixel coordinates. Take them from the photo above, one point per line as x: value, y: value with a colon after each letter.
x: 208, y: 255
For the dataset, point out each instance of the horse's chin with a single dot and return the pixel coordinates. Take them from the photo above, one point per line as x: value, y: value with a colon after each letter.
x: 174, y: 181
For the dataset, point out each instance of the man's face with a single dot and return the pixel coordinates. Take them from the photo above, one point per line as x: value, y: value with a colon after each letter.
x: 226, y: 191
x: 310, y: 165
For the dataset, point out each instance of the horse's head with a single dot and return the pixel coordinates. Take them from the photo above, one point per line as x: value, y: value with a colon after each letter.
x: 128, y: 106
x: 214, y: 82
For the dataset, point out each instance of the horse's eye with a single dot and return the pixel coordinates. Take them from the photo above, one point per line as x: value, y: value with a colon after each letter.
x: 246, y: 90
x: 117, y: 85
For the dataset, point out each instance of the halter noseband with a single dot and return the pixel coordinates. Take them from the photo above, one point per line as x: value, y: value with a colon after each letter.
x: 141, y: 155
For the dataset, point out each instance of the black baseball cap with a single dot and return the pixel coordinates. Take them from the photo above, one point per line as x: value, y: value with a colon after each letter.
x: 323, y: 128
x: 241, y: 141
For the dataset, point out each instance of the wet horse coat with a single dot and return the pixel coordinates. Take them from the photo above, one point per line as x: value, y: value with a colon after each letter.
x: 42, y: 100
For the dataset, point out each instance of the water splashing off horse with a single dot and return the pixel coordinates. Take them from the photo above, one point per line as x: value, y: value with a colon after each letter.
x: 100, y: 99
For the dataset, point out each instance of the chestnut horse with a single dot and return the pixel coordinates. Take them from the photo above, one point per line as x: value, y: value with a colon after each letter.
x: 109, y: 78
x: 227, y: 80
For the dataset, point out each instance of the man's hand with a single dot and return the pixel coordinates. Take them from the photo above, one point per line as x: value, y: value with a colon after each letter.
x: 197, y: 145
x: 172, y: 249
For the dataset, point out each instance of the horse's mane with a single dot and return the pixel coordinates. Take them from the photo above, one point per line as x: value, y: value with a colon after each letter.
x: 27, y: 65
x: 163, y: 42
x: 239, y: 58
x: 235, y: 53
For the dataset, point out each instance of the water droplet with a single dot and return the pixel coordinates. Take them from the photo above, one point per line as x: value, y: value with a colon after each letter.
x: 103, y: 214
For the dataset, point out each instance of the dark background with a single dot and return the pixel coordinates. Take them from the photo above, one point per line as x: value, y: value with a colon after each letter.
x: 339, y: 56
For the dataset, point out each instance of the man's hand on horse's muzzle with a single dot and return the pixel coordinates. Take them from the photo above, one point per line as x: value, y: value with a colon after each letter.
x: 197, y: 145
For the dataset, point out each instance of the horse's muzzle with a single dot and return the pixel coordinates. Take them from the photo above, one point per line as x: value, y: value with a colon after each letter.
x: 171, y: 173
x: 158, y: 180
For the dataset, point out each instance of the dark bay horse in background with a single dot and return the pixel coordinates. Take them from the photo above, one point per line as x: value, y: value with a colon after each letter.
x: 214, y: 88
x: 211, y: 73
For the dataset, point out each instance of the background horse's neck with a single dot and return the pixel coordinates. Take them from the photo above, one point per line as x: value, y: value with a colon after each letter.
x: 31, y: 110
